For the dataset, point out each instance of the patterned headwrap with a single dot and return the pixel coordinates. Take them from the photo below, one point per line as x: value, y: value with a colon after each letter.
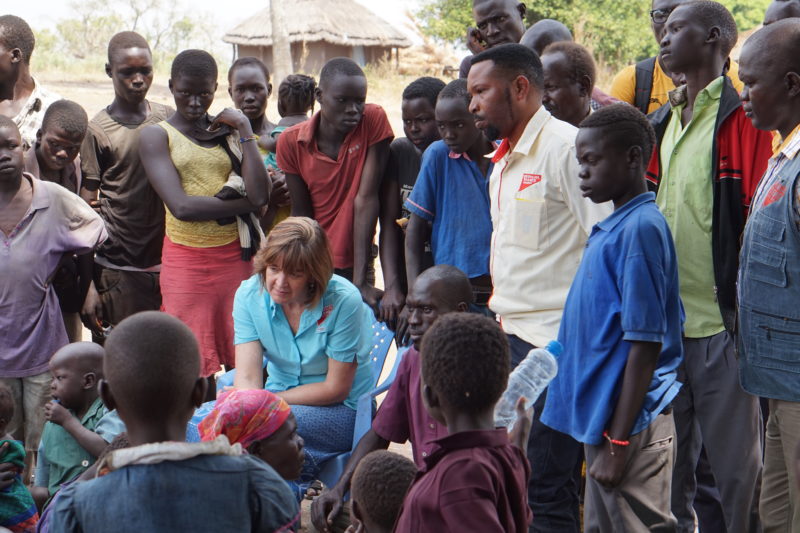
x: 245, y: 416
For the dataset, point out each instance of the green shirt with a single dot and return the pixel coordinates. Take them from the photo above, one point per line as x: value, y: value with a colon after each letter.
x: 686, y: 198
x: 65, y: 457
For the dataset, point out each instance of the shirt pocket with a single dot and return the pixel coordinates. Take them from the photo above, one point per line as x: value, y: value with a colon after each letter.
x: 767, y: 252
x: 528, y: 217
x: 774, y: 342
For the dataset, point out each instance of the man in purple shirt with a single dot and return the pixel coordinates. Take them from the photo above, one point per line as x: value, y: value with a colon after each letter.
x: 402, y: 416
x: 40, y: 223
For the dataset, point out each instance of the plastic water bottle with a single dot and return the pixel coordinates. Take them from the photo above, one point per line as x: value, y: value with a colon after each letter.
x: 528, y: 380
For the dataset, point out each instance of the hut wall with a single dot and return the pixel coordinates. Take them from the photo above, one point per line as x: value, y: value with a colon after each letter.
x: 310, y: 58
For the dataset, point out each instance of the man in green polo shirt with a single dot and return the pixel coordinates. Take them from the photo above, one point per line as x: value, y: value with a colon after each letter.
x: 705, y: 169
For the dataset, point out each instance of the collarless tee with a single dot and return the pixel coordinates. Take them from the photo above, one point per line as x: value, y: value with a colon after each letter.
x: 333, y: 184
x: 130, y: 207
x: 686, y: 197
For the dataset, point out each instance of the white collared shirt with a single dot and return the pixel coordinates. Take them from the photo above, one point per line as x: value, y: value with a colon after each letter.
x: 540, y: 226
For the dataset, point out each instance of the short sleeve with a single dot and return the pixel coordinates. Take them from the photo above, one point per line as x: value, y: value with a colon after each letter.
x: 585, y: 211
x: 83, y: 229
x: 274, y: 507
x: 376, y: 125
x: 244, y: 328
x: 63, y: 518
x: 467, y: 492
x: 90, y: 158
x: 110, y: 426
x: 624, y: 85
x: 286, y: 152
x: 391, y: 422
x: 422, y: 200
x: 347, y: 328
x: 643, y: 286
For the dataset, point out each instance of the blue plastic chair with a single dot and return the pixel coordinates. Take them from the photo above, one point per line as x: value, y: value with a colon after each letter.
x: 382, y: 340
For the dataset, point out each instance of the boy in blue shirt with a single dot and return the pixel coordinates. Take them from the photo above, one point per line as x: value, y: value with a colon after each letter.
x: 450, y: 200
x: 621, y: 332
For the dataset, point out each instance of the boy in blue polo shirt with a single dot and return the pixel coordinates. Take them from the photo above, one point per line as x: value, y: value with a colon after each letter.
x: 450, y: 200
x: 621, y: 332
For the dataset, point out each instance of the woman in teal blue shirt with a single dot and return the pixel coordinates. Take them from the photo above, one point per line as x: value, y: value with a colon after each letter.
x: 315, y: 332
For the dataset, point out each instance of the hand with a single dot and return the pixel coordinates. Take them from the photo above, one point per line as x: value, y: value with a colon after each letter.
x: 279, y: 196
x: 372, y: 296
x: 92, y: 311
x: 607, y: 469
x: 392, y: 304
x: 325, y: 508
x: 233, y: 118
x: 401, y: 335
x: 56, y: 413
x: 95, y: 204
x: 475, y: 41
x: 521, y: 431
x: 356, y: 526
x: 8, y: 471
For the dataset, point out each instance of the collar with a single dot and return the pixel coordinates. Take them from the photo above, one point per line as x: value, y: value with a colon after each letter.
x: 788, y: 146
x: 41, y: 196
x: 712, y: 91
x: 91, y: 412
x: 528, y: 137
x: 31, y: 162
x: 479, y: 438
x: 610, y: 222
x: 455, y: 155
x: 307, y: 128
x: 159, y: 452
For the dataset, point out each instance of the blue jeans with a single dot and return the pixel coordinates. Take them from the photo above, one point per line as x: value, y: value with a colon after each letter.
x: 555, y: 467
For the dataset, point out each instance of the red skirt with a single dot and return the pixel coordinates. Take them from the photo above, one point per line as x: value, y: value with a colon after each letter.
x: 198, y: 286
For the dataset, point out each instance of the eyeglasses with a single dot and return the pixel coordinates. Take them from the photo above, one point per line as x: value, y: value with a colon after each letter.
x: 660, y: 16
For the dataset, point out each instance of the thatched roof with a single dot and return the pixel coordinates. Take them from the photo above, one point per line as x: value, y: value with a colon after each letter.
x: 343, y: 22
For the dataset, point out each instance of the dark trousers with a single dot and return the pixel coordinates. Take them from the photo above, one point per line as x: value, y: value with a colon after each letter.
x: 555, y: 467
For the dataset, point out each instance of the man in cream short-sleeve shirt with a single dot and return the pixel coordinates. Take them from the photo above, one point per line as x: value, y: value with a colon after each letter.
x: 540, y: 226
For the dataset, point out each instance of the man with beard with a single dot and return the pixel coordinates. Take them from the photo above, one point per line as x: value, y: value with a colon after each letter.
x: 540, y: 225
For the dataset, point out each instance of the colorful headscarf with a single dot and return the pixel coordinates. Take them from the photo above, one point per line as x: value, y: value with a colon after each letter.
x: 245, y: 416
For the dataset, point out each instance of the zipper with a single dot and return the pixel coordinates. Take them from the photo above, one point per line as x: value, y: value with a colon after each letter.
x: 785, y: 319
x: 769, y: 329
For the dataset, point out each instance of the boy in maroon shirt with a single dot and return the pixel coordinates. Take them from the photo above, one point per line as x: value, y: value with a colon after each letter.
x: 475, y: 479
x: 334, y: 163
x: 402, y: 416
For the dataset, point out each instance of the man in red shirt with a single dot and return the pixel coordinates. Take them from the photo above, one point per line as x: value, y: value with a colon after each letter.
x: 334, y: 164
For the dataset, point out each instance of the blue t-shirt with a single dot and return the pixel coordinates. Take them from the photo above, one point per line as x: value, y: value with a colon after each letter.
x: 339, y: 327
x: 626, y: 289
x: 453, y: 194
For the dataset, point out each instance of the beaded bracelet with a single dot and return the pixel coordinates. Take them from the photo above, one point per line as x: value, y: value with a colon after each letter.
x: 622, y: 443
x: 253, y: 137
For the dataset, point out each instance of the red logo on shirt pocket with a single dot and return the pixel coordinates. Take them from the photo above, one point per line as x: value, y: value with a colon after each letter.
x: 774, y: 194
x: 325, y: 312
x: 528, y: 180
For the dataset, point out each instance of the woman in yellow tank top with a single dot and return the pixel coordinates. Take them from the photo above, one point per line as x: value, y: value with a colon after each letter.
x: 187, y: 166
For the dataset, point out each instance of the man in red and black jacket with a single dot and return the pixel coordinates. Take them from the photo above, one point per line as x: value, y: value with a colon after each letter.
x: 705, y: 169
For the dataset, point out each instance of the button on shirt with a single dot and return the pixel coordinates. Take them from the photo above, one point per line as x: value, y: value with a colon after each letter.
x: 626, y: 289
x: 453, y: 194
x: 402, y: 415
x: 686, y: 198
x: 540, y: 226
x: 339, y: 327
x: 31, y: 326
x: 473, y: 481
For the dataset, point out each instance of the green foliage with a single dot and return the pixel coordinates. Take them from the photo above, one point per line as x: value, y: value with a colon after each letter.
x: 618, y: 32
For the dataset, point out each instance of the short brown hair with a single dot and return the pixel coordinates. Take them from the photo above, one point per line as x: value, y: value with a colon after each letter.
x: 298, y: 244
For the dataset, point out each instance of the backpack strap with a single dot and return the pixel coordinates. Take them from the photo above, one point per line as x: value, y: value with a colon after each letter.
x: 644, y: 83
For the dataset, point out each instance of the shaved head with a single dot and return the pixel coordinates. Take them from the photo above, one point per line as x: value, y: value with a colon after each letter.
x: 83, y: 356
x: 447, y: 283
x: 544, y: 33
x: 780, y: 10
x: 776, y: 45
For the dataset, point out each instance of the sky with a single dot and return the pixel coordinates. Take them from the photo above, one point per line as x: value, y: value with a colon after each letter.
x: 45, y: 13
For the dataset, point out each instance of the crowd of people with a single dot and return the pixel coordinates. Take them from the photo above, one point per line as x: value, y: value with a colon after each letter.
x: 650, y: 231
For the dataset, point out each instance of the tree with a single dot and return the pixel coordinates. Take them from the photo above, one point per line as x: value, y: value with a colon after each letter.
x: 281, y: 48
x: 618, y: 33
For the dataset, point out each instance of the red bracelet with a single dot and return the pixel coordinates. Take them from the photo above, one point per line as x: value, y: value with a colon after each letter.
x: 622, y: 443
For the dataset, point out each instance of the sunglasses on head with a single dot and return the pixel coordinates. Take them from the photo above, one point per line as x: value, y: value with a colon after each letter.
x: 660, y: 16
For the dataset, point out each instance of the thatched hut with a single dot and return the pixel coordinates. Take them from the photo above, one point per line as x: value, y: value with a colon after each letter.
x: 320, y: 30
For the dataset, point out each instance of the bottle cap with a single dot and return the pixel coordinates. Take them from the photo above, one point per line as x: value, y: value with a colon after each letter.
x: 555, y: 348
